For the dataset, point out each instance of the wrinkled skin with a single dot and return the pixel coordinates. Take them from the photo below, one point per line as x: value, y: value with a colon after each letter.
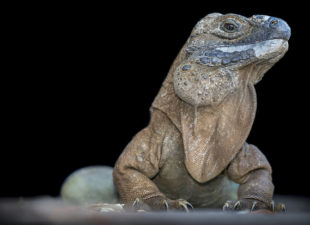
x: 194, y: 152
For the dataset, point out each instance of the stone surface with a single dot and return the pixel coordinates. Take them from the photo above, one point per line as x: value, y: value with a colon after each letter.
x: 45, y: 210
x: 90, y: 185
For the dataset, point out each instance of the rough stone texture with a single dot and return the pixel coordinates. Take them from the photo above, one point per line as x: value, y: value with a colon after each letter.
x: 90, y: 185
x: 194, y: 149
x: 46, y: 210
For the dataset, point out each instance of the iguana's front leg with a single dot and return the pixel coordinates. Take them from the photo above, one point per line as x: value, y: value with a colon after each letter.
x: 252, y: 171
x: 139, y: 163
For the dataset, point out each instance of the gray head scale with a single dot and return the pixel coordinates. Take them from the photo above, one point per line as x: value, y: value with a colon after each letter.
x: 223, y: 47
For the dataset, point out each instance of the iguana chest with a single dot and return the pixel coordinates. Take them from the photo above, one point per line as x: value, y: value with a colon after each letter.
x: 175, y: 181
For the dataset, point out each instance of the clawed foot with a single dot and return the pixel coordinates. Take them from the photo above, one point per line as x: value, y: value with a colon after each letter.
x: 161, y: 204
x: 253, y: 206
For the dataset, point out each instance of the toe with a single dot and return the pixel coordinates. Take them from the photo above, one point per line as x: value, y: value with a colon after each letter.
x: 185, y: 205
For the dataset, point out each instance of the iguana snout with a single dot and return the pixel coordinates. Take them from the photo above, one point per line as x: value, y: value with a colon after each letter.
x: 273, y: 28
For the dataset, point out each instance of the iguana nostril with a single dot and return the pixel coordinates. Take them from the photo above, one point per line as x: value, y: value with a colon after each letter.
x: 274, y: 22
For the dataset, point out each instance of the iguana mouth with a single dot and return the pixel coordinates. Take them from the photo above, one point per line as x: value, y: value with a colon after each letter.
x: 231, y: 54
x: 260, y: 48
x: 263, y: 49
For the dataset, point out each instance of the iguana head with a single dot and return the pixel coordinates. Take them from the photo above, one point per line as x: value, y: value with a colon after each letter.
x: 225, y: 51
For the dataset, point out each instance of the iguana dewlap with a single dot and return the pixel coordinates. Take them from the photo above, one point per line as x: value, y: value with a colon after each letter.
x: 194, y: 149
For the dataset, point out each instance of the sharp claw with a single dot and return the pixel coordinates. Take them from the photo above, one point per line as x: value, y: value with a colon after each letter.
x: 190, y: 205
x: 135, y: 202
x: 282, y: 207
x: 166, y: 204
x: 226, y: 205
x: 237, y: 204
x: 272, y: 206
x: 253, y: 206
x: 184, y: 206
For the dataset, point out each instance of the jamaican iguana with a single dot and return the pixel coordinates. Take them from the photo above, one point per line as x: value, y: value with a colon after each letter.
x: 194, y: 152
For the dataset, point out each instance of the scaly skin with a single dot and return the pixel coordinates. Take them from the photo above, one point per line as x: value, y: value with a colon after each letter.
x: 194, y: 150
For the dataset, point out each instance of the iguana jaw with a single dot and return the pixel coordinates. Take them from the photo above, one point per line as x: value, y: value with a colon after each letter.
x: 261, y: 49
x: 239, y: 55
x: 209, y: 75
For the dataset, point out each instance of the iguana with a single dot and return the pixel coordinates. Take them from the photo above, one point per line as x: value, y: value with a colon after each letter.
x: 194, y: 152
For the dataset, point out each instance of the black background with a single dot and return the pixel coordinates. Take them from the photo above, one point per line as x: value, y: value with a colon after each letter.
x: 79, y: 81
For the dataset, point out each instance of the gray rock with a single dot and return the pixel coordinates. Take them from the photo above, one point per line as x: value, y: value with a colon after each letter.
x: 88, y: 185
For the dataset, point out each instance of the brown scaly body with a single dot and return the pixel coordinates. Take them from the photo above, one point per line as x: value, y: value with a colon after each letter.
x: 194, y: 149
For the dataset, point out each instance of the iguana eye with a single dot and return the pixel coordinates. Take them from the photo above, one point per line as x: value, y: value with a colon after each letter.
x: 229, y: 26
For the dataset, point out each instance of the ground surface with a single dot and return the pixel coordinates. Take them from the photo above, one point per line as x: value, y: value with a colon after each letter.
x: 45, y: 210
